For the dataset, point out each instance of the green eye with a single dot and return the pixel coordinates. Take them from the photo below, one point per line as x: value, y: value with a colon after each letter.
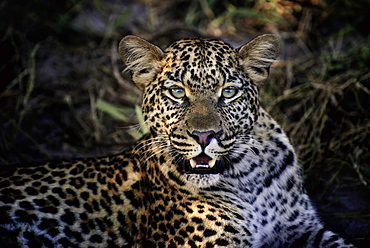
x: 177, y: 92
x: 229, y: 92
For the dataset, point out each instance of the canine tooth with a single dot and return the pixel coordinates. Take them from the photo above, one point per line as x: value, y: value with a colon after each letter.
x: 193, y: 164
x: 212, y: 163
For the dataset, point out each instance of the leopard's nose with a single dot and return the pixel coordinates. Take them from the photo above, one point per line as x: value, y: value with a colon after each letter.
x: 204, y: 138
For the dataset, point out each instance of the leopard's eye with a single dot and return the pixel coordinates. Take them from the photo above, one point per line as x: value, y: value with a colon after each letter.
x: 177, y: 92
x: 229, y: 92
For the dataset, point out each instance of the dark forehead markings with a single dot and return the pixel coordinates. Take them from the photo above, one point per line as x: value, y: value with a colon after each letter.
x: 202, y: 58
x: 201, y: 47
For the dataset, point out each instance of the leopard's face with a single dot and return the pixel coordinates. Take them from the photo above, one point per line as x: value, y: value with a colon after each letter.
x: 200, y: 102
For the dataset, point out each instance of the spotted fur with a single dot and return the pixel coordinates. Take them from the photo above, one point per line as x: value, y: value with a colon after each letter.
x: 215, y: 170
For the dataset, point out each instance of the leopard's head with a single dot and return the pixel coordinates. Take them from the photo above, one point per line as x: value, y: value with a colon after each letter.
x: 200, y: 99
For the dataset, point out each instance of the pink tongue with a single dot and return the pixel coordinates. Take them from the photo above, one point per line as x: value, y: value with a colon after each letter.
x: 202, y: 159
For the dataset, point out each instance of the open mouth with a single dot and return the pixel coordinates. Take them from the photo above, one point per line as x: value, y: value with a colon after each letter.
x: 203, y: 164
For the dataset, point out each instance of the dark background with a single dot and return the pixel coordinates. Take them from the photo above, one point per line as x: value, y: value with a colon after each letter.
x: 62, y: 93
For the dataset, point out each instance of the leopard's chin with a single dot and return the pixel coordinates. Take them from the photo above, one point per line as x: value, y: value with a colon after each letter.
x: 201, y: 180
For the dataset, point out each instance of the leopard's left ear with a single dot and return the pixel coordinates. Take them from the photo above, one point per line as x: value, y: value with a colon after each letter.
x: 257, y: 56
x: 142, y: 58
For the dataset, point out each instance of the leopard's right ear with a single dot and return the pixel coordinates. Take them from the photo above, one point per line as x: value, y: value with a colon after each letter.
x: 257, y: 56
x: 140, y: 57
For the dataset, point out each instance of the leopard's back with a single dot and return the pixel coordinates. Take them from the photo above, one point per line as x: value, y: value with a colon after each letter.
x: 67, y: 203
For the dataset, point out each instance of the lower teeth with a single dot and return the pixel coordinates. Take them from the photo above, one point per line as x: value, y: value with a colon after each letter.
x: 202, y: 166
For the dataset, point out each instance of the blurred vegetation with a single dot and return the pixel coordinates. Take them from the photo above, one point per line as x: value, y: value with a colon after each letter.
x: 62, y: 93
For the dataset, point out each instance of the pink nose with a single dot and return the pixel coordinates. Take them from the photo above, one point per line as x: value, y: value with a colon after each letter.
x: 204, y: 138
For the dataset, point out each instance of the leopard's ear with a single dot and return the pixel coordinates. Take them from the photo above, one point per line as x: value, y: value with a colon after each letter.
x: 257, y: 56
x: 140, y: 57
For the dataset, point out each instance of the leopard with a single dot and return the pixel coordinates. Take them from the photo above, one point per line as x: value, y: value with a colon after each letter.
x: 214, y: 169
